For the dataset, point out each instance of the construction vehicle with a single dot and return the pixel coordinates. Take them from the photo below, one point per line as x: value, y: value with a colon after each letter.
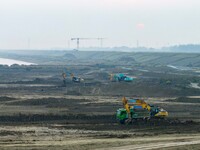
x: 120, y: 77
x: 135, y: 109
x: 73, y: 78
x: 64, y: 78
x: 76, y: 79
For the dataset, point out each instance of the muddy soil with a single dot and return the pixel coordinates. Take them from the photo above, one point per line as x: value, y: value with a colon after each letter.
x: 38, y: 112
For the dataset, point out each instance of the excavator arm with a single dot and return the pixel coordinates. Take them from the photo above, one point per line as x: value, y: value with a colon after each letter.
x: 64, y: 75
x: 156, y: 111
x: 143, y: 104
x: 127, y: 107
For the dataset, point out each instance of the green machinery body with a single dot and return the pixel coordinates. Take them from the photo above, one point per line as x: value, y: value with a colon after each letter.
x: 121, y: 77
x: 122, y: 114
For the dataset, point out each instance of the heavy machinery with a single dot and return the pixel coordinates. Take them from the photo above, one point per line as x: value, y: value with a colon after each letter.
x: 73, y: 78
x: 64, y: 78
x: 135, y: 109
x: 120, y: 77
x: 76, y: 79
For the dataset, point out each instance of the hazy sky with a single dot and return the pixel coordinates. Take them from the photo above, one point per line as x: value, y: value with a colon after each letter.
x: 45, y: 24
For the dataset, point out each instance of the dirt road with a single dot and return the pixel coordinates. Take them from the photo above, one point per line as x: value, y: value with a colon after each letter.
x: 39, y: 137
x: 166, y: 143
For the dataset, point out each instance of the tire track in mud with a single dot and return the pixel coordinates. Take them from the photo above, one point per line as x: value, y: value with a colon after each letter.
x: 156, y: 145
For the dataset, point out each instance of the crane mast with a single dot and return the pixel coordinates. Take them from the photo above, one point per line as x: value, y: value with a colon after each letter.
x: 78, y: 41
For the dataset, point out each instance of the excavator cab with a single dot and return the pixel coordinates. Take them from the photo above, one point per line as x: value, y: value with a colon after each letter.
x: 161, y: 113
x: 76, y: 79
x: 120, y: 77
x: 158, y: 112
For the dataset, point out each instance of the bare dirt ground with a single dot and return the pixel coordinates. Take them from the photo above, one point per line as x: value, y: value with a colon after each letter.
x: 38, y: 112
x: 57, y: 136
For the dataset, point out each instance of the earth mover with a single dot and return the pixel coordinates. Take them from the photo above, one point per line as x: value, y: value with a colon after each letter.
x: 136, y: 109
x: 76, y: 79
x: 120, y: 77
x: 73, y: 78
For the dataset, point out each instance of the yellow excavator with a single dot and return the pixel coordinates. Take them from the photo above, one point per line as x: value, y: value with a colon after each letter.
x: 76, y: 79
x: 73, y: 78
x: 64, y: 78
x: 139, y: 109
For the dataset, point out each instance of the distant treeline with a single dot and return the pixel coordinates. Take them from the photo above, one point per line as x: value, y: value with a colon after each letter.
x: 189, y: 48
x: 194, y: 48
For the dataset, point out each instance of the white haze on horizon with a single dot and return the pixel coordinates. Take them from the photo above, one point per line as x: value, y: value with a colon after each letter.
x: 47, y: 24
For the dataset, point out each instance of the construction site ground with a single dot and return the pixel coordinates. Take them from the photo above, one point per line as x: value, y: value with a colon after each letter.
x: 38, y: 112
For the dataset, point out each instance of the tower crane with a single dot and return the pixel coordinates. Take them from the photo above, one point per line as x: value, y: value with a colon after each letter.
x: 78, y: 40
